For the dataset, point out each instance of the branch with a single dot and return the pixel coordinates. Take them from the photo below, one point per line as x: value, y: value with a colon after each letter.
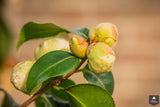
x: 57, y: 81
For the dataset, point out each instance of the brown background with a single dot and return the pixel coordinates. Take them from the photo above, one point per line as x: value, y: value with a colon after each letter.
x: 137, y: 67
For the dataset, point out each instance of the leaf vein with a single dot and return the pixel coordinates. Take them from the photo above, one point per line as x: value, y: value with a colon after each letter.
x: 49, y: 68
x: 98, y: 79
x: 76, y: 98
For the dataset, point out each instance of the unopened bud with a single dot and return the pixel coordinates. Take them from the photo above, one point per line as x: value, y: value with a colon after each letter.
x: 104, y: 32
x: 60, y: 42
x: 78, y: 46
x: 20, y: 74
x: 101, y: 57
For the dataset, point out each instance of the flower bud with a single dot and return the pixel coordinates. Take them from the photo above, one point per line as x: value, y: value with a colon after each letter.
x: 92, y: 35
x: 104, y: 32
x: 60, y: 42
x: 20, y: 74
x: 101, y: 57
x: 78, y: 46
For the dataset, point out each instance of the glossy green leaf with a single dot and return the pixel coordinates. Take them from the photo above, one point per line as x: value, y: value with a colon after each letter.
x: 58, y: 92
x: 104, y: 80
x: 33, y: 30
x: 67, y: 83
x: 8, y: 100
x: 88, y: 95
x: 52, y: 64
x: 47, y: 100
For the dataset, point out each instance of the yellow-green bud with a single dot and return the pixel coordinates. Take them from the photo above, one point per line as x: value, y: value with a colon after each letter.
x: 20, y: 74
x: 92, y: 35
x: 101, y: 57
x: 60, y: 42
x: 104, y: 32
x: 78, y: 46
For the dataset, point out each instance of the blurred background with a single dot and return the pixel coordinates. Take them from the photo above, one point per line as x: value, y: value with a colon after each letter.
x: 136, y: 70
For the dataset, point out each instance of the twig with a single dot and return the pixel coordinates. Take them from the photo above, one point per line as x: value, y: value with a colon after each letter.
x: 57, y: 81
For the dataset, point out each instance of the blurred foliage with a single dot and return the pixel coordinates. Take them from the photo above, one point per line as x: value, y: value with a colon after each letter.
x: 1, y: 3
x: 5, y: 38
x: 8, y: 100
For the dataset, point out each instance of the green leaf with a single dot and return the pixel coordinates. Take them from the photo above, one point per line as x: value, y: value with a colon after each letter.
x: 67, y: 83
x: 47, y: 100
x: 56, y: 96
x: 104, y: 80
x: 52, y: 64
x: 81, y: 30
x: 8, y: 100
x: 47, y: 82
x: 58, y: 92
x: 33, y: 30
x: 88, y: 95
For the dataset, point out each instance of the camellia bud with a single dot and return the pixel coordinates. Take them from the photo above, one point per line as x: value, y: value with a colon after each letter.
x: 92, y: 35
x: 78, y: 46
x: 101, y: 57
x: 60, y: 42
x: 104, y: 32
x: 20, y: 74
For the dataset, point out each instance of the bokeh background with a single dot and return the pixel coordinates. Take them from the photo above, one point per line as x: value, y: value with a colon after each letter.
x: 137, y: 68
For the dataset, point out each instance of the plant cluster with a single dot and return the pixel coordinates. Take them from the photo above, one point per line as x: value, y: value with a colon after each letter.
x: 47, y: 77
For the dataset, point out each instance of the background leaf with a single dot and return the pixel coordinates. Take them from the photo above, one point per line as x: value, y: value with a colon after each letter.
x: 88, y: 95
x: 55, y: 97
x: 59, y: 93
x: 52, y: 64
x: 33, y: 30
x: 104, y: 80
x: 44, y: 101
x: 5, y: 35
x: 47, y: 100
x: 5, y: 40
x: 8, y: 100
